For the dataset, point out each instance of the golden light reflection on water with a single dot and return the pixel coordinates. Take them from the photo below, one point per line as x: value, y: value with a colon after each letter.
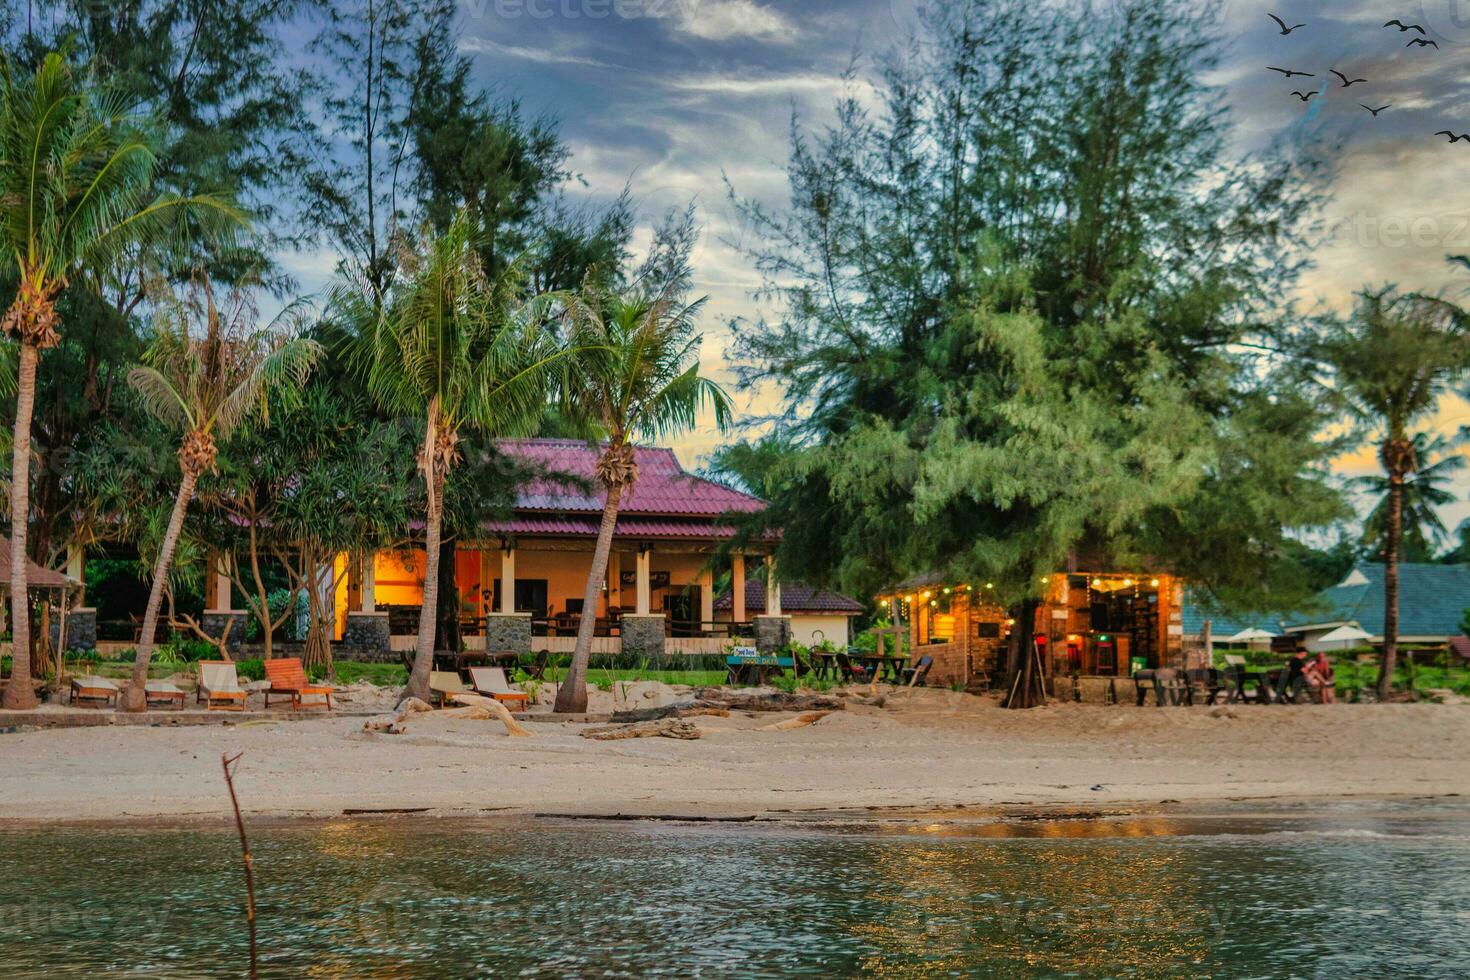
x: 1052, y: 908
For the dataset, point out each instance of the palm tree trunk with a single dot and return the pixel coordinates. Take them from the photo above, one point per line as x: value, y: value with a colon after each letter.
x: 571, y: 696
x: 423, y: 658
x: 136, y: 697
x: 18, y: 693
x: 1395, y: 536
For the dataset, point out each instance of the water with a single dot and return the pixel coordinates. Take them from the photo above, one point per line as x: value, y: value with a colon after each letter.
x: 1349, y: 891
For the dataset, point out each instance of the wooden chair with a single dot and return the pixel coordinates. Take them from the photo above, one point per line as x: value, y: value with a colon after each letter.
x: 219, y: 686
x: 100, y: 691
x: 492, y: 682
x: 1206, y: 681
x: 288, y: 677
x: 918, y: 674
x: 164, y: 693
x: 445, y: 683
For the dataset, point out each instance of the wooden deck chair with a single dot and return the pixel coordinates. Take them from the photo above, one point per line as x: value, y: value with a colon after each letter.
x: 492, y: 682
x: 219, y: 686
x: 445, y: 683
x: 164, y: 693
x: 99, y: 691
x: 288, y: 677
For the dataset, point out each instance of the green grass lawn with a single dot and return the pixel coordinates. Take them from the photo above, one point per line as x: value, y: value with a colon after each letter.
x: 393, y: 674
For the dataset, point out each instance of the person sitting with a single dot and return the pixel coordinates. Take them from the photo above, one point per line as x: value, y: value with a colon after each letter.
x: 1294, y: 678
x: 1320, y: 678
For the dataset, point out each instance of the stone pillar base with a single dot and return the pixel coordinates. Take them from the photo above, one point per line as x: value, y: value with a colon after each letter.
x: 772, y: 632
x: 508, y: 632
x: 643, y: 635
x: 368, y: 630
x: 81, y: 629
x: 213, y: 623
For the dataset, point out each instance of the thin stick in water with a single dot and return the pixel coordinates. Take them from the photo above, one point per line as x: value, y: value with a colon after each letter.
x: 228, y: 761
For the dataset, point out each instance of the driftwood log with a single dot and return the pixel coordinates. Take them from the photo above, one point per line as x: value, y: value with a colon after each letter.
x: 473, y: 706
x: 476, y: 702
x: 683, y: 709
x: 393, y: 724
x: 663, y: 728
x: 800, y: 721
x: 715, y: 697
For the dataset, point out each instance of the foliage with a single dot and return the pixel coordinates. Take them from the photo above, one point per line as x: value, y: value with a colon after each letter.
x: 1003, y: 350
x: 1424, y: 491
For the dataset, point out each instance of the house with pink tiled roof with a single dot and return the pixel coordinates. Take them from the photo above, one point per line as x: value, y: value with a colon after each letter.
x: 522, y: 583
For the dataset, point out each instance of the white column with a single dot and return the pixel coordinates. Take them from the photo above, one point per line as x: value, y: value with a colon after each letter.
x: 773, y: 588
x: 369, y: 588
x: 222, y: 598
x: 645, y: 559
x: 507, y: 580
x: 706, y: 599
x: 737, y: 587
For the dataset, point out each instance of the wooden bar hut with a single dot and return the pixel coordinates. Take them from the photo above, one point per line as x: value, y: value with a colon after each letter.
x: 1089, y: 625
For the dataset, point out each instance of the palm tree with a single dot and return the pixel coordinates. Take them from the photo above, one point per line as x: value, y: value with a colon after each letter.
x: 452, y: 347
x: 205, y: 387
x: 634, y: 371
x: 1424, y: 490
x: 1393, y: 360
x: 74, y: 178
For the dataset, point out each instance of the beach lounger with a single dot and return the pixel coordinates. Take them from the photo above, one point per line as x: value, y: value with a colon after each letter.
x: 164, y: 693
x: 492, y: 682
x: 99, y: 691
x: 288, y: 677
x: 219, y: 686
x: 444, y: 683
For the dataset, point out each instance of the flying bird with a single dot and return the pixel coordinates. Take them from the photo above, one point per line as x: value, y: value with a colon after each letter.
x: 1304, y: 96
x: 1348, y: 82
x: 1404, y: 27
x: 1422, y: 43
x: 1284, y: 29
x: 1291, y: 74
x: 1453, y: 137
x: 1378, y: 110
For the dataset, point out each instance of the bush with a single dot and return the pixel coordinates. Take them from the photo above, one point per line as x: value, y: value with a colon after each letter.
x: 250, y: 670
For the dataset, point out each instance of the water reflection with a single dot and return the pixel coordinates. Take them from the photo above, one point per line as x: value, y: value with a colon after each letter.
x: 411, y: 898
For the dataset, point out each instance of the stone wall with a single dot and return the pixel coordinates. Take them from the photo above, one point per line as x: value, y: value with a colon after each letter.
x: 772, y: 632
x: 367, y: 631
x: 643, y: 636
x: 81, y: 629
x: 213, y: 623
x: 508, y: 632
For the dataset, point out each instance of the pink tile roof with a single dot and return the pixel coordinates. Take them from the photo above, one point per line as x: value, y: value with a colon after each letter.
x: 626, y: 527
x: 795, y: 598
x: 663, y: 487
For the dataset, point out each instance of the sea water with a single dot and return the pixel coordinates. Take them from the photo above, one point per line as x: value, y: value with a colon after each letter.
x: 1352, y: 890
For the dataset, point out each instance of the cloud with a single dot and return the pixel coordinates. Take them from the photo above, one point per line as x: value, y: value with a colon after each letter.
x: 543, y: 56
x: 725, y: 20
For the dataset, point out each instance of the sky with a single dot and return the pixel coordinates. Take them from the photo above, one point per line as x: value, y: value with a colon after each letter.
x: 674, y: 97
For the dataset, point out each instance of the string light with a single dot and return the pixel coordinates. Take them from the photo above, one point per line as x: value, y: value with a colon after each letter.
x: 946, y: 590
x: 1154, y: 583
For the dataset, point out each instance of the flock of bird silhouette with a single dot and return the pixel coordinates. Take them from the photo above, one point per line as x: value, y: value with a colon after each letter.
x: 1422, y: 41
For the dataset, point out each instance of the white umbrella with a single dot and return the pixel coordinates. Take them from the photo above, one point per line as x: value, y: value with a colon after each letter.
x: 1250, y: 634
x: 1346, y: 635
